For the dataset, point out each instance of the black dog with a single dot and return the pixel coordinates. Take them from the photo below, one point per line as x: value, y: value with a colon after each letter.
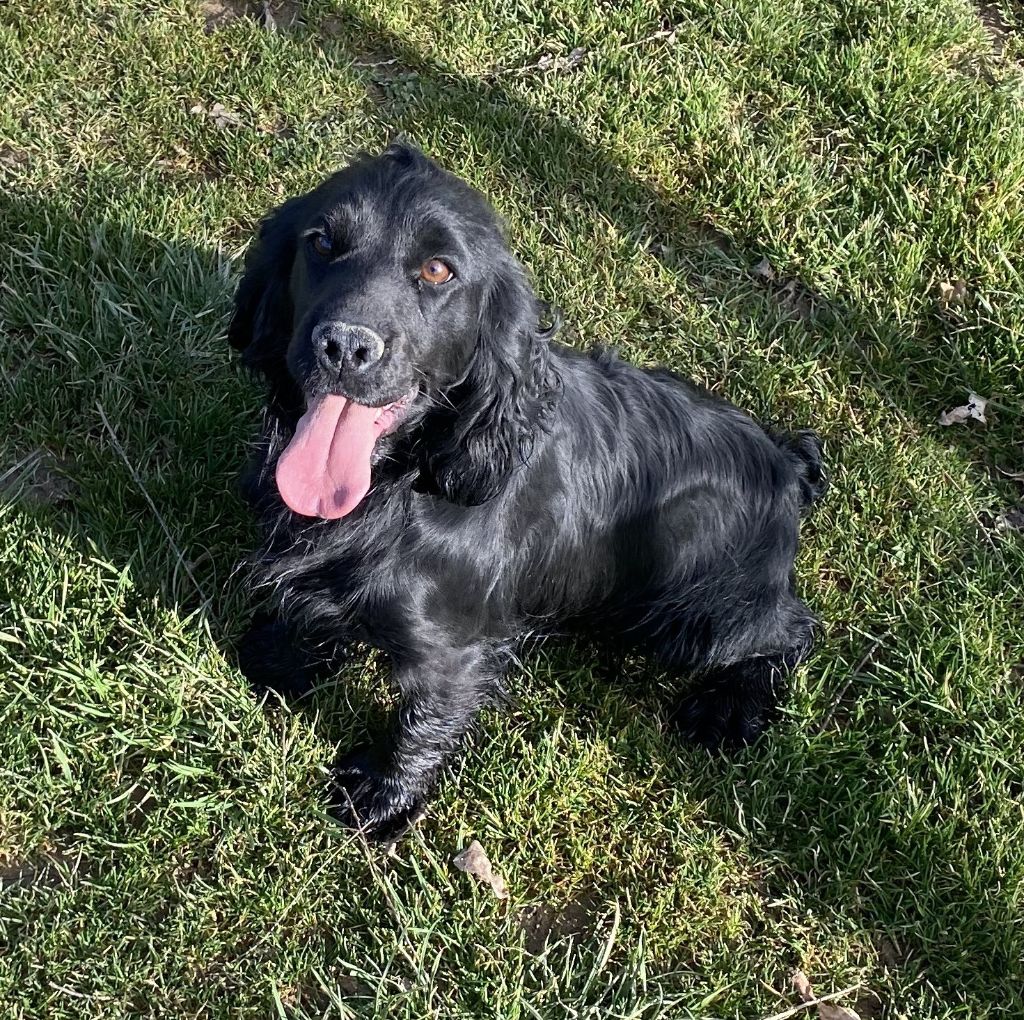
x: 438, y: 479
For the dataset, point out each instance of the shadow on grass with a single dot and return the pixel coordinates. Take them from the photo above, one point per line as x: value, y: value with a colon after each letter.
x: 135, y: 451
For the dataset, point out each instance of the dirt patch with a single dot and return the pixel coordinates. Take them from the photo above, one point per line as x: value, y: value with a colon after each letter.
x: 281, y: 14
x: 219, y: 13
x: 36, y: 478
x: 43, y: 871
x: 543, y: 922
x: 140, y: 804
x: 11, y: 156
x: 183, y: 163
x: 869, y: 1006
x: 332, y: 27
x: 997, y: 28
x: 273, y: 15
x: 889, y: 955
x: 796, y: 299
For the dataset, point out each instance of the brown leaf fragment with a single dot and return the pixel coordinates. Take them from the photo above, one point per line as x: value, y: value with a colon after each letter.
x: 473, y: 861
x: 974, y: 408
x: 802, y: 986
x: 826, y: 1008
x: 553, y: 62
x: 952, y: 292
x: 795, y: 298
x: 222, y: 117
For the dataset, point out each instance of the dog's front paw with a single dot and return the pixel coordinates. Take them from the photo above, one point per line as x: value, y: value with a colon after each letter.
x: 269, y: 660
x: 715, y: 718
x: 367, y: 798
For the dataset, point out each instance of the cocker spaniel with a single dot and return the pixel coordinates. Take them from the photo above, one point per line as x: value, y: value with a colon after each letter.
x: 438, y: 478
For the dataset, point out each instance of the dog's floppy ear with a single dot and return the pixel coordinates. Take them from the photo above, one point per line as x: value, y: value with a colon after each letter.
x: 262, y: 321
x: 504, y: 398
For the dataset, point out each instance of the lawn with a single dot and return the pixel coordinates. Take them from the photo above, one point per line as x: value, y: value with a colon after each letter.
x: 815, y: 208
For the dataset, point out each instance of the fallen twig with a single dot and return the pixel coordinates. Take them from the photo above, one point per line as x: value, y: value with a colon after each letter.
x: 795, y: 1010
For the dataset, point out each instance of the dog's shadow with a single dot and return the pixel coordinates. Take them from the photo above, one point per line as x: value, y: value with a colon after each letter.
x: 127, y: 430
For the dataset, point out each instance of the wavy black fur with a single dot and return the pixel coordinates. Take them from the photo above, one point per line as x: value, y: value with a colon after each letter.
x: 531, y: 488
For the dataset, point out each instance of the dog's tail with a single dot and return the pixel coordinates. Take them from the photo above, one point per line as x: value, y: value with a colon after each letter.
x: 805, y: 454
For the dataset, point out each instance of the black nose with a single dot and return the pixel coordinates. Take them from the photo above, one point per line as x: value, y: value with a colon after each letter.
x: 341, y: 347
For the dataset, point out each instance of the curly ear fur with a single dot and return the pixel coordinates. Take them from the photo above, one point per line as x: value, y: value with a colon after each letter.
x: 262, y: 322
x: 503, y: 400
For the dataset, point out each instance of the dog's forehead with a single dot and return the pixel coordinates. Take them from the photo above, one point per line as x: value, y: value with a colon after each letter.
x: 398, y: 201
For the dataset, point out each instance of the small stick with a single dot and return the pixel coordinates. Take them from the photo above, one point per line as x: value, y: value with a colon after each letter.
x: 834, y: 703
x: 811, y: 1002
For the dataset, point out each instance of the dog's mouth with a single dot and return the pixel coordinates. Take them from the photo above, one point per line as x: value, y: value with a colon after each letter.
x: 325, y: 469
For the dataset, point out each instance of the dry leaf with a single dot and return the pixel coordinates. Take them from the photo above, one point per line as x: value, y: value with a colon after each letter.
x: 826, y: 1010
x: 792, y: 296
x: 547, y: 62
x: 974, y: 408
x: 221, y: 116
x: 473, y: 861
x: 952, y: 292
x: 268, y: 17
x: 1014, y: 476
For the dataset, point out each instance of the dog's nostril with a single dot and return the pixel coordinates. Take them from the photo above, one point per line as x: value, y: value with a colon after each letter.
x: 364, y: 352
x: 342, y: 347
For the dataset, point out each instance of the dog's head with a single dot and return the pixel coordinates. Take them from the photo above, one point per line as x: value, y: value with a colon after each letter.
x: 387, y: 298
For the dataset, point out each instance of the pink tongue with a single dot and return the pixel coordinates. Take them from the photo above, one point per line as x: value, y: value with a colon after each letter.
x: 325, y: 469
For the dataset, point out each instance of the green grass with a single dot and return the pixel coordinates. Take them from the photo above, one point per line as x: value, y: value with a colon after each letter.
x: 162, y: 846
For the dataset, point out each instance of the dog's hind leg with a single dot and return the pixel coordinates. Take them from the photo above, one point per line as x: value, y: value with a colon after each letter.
x: 731, y: 705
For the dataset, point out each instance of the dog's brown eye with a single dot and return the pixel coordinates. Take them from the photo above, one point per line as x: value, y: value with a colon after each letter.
x: 436, y: 271
x: 322, y: 245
